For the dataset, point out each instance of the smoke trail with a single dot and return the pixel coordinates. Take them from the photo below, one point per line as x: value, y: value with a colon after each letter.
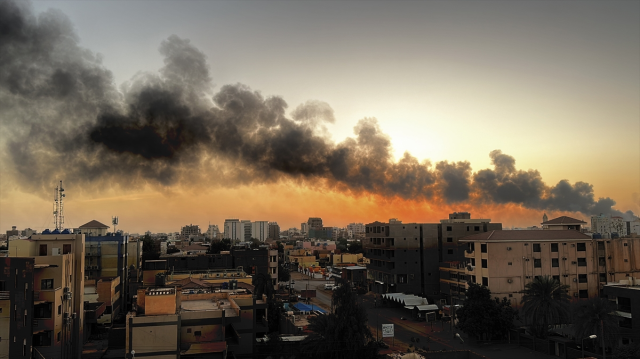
x: 63, y: 116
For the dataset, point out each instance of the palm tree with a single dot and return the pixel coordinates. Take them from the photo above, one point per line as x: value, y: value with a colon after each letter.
x: 593, y: 316
x: 545, y: 302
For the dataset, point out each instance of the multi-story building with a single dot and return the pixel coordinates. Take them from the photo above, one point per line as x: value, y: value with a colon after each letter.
x: 314, y: 223
x: 505, y: 261
x: 16, y: 307
x: 405, y: 257
x: 563, y: 223
x: 174, y: 322
x: 233, y: 230
x: 274, y: 231
x: 257, y: 261
x: 57, y: 323
x: 212, y: 231
x: 304, y: 228
x: 260, y: 230
x: 608, y: 226
x: 626, y: 295
x: 246, y: 230
x: 321, y: 233
x: 190, y: 230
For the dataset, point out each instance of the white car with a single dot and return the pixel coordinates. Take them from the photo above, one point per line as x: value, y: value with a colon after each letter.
x: 329, y: 286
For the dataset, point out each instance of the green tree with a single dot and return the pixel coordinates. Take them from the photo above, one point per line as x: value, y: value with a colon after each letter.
x: 283, y: 274
x: 483, y: 317
x: 342, y: 334
x: 594, y: 316
x: 545, y: 302
x: 355, y: 247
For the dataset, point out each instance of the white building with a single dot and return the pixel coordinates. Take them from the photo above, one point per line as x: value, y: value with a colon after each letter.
x: 355, y: 228
x: 260, y: 230
x: 246, y: 230
x: 233, y: 230
x: 606, y: 225
x: 212, y: 231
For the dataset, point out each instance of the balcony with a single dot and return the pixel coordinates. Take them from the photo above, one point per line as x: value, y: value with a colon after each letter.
x: 469, y: 253
x: 5, y: 295
x: 41, y: 325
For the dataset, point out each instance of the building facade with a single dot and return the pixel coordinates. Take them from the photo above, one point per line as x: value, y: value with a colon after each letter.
x: 260, y: 230
x: 16, y: 307
x: 405, y: 257
x: 233, y: 230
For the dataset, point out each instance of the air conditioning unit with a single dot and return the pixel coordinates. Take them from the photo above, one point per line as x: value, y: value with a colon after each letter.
x: 508, y: 248
x: 66, y: 290
x: 509, y: 280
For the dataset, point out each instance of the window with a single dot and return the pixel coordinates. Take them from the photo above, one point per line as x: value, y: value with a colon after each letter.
x: 450, y: 251
x: 483, y: 248
x: 556, y: 278
x: 473, y: 279
x: 449, y: 239
x: 66, y: 248
x: 536, y: 247
x: 197, y: 333
x: 485, y: 281
x: 473, y: 261
x: 484, y: 263
x: 476, y: 228
x: 603, y: 277
x: 509, y: 263
x: 601, y: 261
x: 601, y: 246
x: 554, y: 247
x: 583, y: 293
x: 555, y: 262
x: 582, y: 247
x: 46, y: 284
x: 59, y: 309
x: 43, y: 249
x: 448, y: 228
x: 59, y: 336
x: 625, y: 323
x: 537, y: 263
x: 582, y: 262
x: 582, y: 278
x: 467, y: 228
x: 188, y: 330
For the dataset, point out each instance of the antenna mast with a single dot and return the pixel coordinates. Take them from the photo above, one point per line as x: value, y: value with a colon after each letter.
x: 114, y: 221
x: 58, y: 207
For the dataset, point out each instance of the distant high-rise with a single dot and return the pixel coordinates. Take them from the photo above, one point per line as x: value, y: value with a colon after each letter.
x: 314, y: 223
x: 190, y: 230
x: 274, y: 231
x: 260, y: 230
x: 233, y: 229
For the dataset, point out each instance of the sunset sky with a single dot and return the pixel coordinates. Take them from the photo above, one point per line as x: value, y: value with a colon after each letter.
x: 554, y: 86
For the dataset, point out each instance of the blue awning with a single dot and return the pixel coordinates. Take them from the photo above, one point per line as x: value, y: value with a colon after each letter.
x: 309, y: 308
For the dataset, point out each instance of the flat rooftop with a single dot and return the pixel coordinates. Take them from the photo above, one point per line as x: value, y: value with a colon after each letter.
x: 208, y: 304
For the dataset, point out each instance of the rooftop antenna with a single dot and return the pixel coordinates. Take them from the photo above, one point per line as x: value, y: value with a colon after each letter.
x: 114, y: 221
x: 58, y: 207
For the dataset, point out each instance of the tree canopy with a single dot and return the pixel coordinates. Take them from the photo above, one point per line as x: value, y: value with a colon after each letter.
x: 545, y: 302
x: 480, y: 316
x: 594, y: 316
x: 342, y: 334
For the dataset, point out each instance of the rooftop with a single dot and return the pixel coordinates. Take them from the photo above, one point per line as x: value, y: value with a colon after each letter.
x: 564, y: 220
x: 527, y: 235
x: 94, y: 224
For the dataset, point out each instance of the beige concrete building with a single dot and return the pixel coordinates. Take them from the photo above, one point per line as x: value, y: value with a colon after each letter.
x: 173, y: 322
x: 505, y: 261
x: 58, y: 292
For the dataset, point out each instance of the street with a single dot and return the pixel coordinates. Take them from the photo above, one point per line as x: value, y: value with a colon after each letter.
x: 434, y: 336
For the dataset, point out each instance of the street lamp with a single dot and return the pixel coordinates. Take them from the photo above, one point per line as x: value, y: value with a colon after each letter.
x: 593, y: 336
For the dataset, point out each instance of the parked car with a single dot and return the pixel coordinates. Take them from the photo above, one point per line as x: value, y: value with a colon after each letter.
x: 329, y: 286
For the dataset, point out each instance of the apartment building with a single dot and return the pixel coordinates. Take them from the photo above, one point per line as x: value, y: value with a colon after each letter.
x: 626, y: 295
x: 274, y: 231
x: 57, y: 323
x: 233, y: 230
x: 405, y: 257
x: 16, y: 307
x: 260, y: 230
x: 170, y: 322
x: 505, y: 261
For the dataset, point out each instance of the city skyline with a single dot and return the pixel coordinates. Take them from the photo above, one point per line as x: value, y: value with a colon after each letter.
x: 504, y: 101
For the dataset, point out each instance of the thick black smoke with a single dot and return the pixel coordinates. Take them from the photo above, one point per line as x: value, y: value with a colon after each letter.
x: 64, y: 118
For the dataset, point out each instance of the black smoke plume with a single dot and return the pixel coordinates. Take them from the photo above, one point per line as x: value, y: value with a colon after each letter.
x: 62, y: 116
